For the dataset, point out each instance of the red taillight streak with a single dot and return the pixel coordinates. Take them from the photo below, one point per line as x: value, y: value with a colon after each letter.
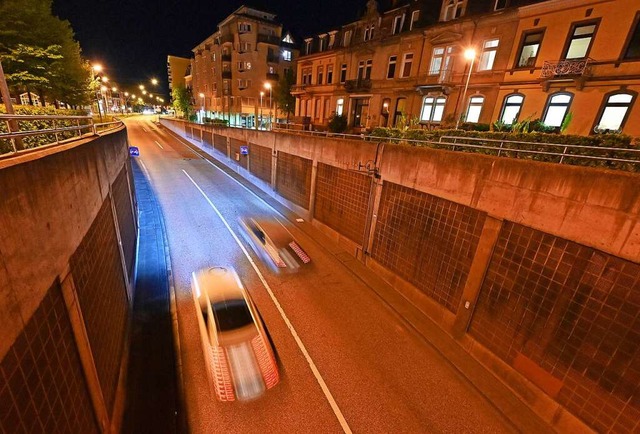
x: 267, y: 364
x: 221, y: 375
x: 301, y: 253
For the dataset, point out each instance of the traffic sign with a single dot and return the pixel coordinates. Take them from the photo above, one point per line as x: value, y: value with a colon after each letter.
x: 134, y: 151
x: 244, y: 150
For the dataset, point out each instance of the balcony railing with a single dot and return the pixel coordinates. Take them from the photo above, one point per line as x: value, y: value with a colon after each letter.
x: 298, y: 89
x: 226, y: 57
x: 358, y: 85
x: 273, y: 76
x: 565, y: 68
x: 273, y: 59
x: 226, y: 74
x: 268, y: 39
x: 224, y: 39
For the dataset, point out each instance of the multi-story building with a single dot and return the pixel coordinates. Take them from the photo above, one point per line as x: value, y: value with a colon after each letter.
x: 547, y: 59
x: 234, y: 70
x: 177, y: 70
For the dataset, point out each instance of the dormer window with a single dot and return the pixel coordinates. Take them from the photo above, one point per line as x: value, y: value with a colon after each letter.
x: 415, y: 15
x: 368, y: 32
x: 287, y: 39
x: 397, y: 24
x: 347, y: 38
x: 322, y: 43
x: 332, y: 40
x: 500, y: 4
x: 307, y: 46
x: 453, y: 9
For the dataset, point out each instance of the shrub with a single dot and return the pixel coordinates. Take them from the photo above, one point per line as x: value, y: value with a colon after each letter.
x: 338, y: 124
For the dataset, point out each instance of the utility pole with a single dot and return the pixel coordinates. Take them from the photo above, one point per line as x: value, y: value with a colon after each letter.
x: 12, y: 124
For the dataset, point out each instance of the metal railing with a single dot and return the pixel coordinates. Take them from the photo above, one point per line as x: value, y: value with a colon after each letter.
x: 16, y: 135
x: 561, y: 68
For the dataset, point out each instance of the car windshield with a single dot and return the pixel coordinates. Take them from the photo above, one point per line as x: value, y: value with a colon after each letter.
x: 231, y: 314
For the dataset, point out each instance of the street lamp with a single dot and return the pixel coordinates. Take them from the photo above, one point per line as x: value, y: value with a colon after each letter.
x: 261, y: 95
x: 201, y: 95
x: 268, y: 86
x: 154, y: 81
x: 469, y: 54
x: 141, y: 87
x: 96, y: 68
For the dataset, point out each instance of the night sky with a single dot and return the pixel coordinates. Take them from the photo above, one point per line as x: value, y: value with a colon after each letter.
x: 132, y: 38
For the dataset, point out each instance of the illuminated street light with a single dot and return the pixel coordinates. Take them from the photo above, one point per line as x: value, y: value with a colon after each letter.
x: 103, y: 88
x: 144, y: 92
x: 97, y: 67
x: 261, y: 95
x: 105, y: 79
x: 469, y: 54
x: 154, y: 81
x: 126, y: 94
x: 114, y: 89
x: 141, y: 87
x: 201, y: 95
x: 268, y: 86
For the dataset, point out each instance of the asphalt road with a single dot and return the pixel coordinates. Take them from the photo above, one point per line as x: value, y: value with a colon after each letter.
x: 347, y: 361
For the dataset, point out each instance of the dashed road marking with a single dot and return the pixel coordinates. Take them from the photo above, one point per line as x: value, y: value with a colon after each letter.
x: 156, y: 142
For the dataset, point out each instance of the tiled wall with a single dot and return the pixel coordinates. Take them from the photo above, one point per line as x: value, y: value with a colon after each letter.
x: 260, y: 161
x: 293, y: 178
x: 97, y: 273
x: 342, y: 199
x: 220, y: 143
x: 42, y: 386
x: 235, y: 149
x: 427, y: 240
x: 572, y: 311
x: 126, y: 225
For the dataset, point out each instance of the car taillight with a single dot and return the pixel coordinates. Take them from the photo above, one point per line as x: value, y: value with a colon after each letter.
x: 221, y: 375
x: 301, y: 253
x: 267, y: 363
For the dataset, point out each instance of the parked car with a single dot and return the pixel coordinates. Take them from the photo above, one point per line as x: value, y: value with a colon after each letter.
x: 274, y: 243
x: 241, y: 358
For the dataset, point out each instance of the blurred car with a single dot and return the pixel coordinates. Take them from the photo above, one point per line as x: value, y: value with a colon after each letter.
x: 274, y: 243
x: 242, y: 360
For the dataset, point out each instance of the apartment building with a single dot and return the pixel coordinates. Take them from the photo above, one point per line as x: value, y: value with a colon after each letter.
x: 233, y: 71
x: 546, y: 59
x: 177, y: 70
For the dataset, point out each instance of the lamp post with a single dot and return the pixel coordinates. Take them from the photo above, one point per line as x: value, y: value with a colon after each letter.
x: 95, y: 69
x: 268, y: 86
x: 261, y: 95
x: 469, y: 54
x: 202, y: 108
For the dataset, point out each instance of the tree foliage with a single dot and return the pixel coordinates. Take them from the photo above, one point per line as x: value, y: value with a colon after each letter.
x: 182, y: 100
x: 282, y: 93
x: 39, y: 53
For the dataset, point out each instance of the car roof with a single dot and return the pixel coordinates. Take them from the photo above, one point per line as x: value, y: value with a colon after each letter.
x: 220, y: 284
x: 277, y: 233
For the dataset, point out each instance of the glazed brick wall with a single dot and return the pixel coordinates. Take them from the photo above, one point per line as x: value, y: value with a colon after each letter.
x: 97, y: 273
x: 575, y: 312
x: 235, y: 148
x: 428, y: 241
x: 42, y: 386
x: 260, y: 162
x: 293, y: 178
x: 220, y: 143
x: 126, y: 224
x: 342, y: 199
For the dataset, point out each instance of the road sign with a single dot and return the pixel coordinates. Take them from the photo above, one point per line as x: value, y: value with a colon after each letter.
x: 134, y: 151
x: 244, y: 150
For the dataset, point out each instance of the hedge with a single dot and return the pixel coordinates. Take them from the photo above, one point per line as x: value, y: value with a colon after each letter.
x: 514, y: 150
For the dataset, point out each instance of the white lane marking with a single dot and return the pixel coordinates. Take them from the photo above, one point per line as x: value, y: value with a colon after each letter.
x: 156, y: 142
x: 303, y: 349
x: 144, y: 129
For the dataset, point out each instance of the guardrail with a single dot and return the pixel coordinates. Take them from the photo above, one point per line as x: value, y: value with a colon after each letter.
x: 16, y: 136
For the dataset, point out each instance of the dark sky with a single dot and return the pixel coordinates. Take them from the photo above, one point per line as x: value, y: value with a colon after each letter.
x: 132, y: 38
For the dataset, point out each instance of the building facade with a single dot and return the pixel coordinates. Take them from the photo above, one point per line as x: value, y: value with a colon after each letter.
x: 177, y: 70
x: 565, y: 62
x: 234, y: 71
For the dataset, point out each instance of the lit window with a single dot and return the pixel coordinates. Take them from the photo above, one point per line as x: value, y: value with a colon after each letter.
x: 453, y: 9
x: 407, y: 61
x: 436, y: 60
x: 391, y: 68
x: 580, y: 41
x: 529, y: 49
x: 287, y: 39
x: 339, y: 106
x: 511, y: 108
x: 474, y: 109
x: 488, y: 55
x: 415, y: 15
x: 632, y: 50
x: 432, y: 109
x: 557, y: 108
x: 615, y: 111
x: 286, y: 55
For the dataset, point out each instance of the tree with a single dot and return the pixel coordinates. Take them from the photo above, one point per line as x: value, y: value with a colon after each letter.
x: 282, y: 93
x: 182, y: 100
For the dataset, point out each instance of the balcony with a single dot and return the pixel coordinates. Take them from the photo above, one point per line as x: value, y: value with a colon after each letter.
x: 273, y: 76
x: 226, y: 74
x: 225, y: 57
x: 359, y: 85
x: 273, y: 59
x: 268, y: 39
x: 565, y: 68
x: 298, y: 89
x: 224, y: 39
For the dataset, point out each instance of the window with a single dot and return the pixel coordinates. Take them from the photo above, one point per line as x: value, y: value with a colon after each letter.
x: 243, y: 83
x: 400, y: 109
x: 391, y: 68
x: 615, y: 112
x: 360, y: 69
x: 329, y: 74
x: 488, y: 56
x: 272, y: 69
x: 580, y: 41
x: 511, y: 108
x: 500, y: 4
x: 453, y: 9
x: 244, y: 47
x: 557, y: 107
x: 244, y: 27
x: 407, y: 61
x: 244, y: 66
x: 287, y: 39
x: 339, y: 106
x: 432, y: 109
x: 343, y: 73
x: 367, y: 69
x: 529, y: 49
x: 632, y: 50
x: 320, y: 74
x: 321, y: 43
x: 397, y: 24
x: 347, y: 38
x: 286, y: 55
x: 332, y: 40
x: 436, y: 61
x: 307, y: 46
x: 316, y: 109
x: 306, y: 76
x: 415, y: 15
x: 368, y: 32
x: 474, y: 109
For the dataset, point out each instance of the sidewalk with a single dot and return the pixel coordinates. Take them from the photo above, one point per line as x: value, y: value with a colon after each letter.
x: 152, y: 404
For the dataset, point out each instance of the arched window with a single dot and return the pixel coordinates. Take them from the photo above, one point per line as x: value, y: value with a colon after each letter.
x: 474, y: 109
x: 557, y: 108
x: 615, y: 111
x: 432, y: 108
x: 511, y: 108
